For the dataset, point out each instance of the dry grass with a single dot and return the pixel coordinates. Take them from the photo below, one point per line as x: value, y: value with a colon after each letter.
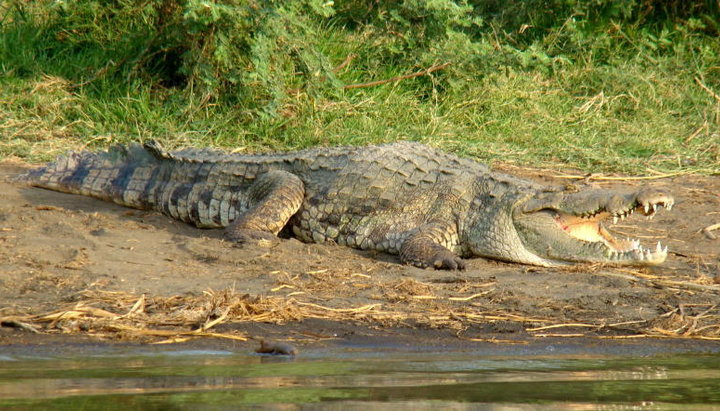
x: 35, y: 119
x: 407, y: 303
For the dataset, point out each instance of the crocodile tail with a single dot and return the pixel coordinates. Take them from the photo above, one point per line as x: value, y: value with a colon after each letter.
x: 104, y: 175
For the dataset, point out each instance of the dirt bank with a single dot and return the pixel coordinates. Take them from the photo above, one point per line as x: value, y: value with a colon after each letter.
x: 72, y: 264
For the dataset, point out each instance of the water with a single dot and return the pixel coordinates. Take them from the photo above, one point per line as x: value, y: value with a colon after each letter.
x: 358, y: 378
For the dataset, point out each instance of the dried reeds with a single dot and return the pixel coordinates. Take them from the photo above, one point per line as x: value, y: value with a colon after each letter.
x: 406, y: 302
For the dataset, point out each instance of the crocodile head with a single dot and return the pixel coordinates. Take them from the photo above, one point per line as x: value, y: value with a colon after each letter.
x: 559, y: 228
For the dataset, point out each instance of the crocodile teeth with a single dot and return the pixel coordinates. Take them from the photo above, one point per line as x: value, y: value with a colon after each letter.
x: 639, y: 254
x: 650, y: 208
x: 615, y: 219
x: 657, y: 256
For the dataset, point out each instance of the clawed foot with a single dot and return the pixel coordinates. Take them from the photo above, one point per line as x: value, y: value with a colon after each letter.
x: 442, y: 260
x: 452, y: 263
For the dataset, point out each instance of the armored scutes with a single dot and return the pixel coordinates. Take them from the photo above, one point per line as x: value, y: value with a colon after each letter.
x: 429, y: 207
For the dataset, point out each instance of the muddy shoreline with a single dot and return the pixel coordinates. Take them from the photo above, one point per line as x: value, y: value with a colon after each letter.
x: 80, y: 269
x: 356, y: 340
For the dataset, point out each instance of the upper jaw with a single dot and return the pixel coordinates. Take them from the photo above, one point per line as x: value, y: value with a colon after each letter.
x: 593, y: 242
x: 646, y: 202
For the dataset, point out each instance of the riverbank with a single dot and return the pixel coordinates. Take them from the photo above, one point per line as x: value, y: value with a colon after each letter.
x: 76, y: 266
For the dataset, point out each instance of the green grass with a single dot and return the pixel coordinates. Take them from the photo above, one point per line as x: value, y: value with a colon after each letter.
x: 638, y: 109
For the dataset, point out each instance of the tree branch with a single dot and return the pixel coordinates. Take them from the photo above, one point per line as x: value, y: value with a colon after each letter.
x: 398, y: 78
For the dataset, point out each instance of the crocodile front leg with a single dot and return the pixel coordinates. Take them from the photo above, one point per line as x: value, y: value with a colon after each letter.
x: 424, y: 248
x: 273, y: 198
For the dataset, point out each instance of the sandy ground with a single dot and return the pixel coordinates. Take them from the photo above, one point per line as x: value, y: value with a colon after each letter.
x: 72, y: 265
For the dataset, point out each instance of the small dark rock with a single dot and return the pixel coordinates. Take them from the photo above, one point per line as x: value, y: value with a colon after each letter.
x: 99, y: 232
x: 275, y: 348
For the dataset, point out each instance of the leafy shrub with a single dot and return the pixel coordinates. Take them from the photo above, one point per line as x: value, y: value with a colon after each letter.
x: 273, y: 70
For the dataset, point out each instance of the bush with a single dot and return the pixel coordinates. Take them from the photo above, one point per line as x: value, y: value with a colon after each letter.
x: 256, y: 54
x: 273, y: 73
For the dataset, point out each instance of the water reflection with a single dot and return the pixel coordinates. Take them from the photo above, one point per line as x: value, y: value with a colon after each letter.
x: 193, y: 380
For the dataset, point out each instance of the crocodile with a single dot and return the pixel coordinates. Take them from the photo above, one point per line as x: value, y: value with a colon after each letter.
x: 432, y: 208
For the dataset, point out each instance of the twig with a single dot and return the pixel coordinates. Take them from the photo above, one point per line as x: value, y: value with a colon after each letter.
x: 626, y: 337
x: 613, y: 325
x: 345, y: 63
x: 139, y: 306
x: 686, y: 285
x: 658, y: 336
x: 342, y: 310
x: 101, y: 72
x: 613, y: 178
x: 208, y: 325
x: 696, y: 132
x: 10, y: 322
x: 654, y: 282
x: 708, y: 231
x: 549, y: 327
x: 424, y: 297
x: 704, y: 313
x: 707, y: 327
x: 507, y: 317
x: 706, y: 88
x: 468, y: 298
x: 495, y: 340
x: 175, y: 334
x: 558, y: 335
x: 629, y: 277
x: 398, y: 78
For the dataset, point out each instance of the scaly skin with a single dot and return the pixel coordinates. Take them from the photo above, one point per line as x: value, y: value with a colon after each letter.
x: 429, y: 207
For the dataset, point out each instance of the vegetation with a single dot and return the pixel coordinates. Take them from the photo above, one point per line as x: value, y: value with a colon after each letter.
x: 627, y: 86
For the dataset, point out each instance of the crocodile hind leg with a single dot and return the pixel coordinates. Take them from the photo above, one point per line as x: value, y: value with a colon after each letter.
x: 273, y: 198
x: 428, y: 247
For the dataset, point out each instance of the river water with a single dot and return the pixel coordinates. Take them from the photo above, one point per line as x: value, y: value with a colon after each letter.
x: 361, y: 377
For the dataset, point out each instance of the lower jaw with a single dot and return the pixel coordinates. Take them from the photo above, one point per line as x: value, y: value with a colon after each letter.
x: 639, y: 256
x: 629, y: 252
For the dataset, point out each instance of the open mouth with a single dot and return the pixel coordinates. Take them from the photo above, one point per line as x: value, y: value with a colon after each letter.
x: 589, y: 227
